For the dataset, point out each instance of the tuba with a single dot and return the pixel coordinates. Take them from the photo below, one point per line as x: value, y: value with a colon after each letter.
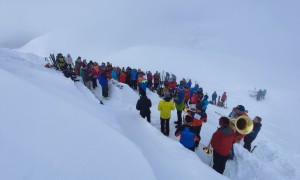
x: 242, y: 124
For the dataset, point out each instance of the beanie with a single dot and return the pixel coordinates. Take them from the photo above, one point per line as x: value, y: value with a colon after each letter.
x: 224, y: 122
x: 188, y: 118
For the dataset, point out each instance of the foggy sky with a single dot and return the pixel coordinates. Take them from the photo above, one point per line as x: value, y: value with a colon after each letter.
x: 260, y: 29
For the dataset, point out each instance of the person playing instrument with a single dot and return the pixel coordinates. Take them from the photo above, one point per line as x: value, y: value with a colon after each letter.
x: 249, y: 138
x: 237, y: 112
x: 221, y: 142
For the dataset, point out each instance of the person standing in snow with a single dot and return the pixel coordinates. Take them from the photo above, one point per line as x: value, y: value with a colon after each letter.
x: 165, y: 107
x: 143, y: 105
x: 249, y: 138
x: 237, y: 112
x: 221, y: 142
x: 179, y: 104
x: 199, y: 117
x: 214, y: 98
x: 187, y: 133
x: 204, y: 103
x: 223, y: 99
x: 69, y: 61
x: 102, y: 78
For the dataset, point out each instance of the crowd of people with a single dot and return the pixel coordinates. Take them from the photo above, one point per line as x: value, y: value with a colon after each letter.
x: 189, y: 101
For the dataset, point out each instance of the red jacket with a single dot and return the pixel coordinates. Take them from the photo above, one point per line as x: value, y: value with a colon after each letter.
x: 222, y: 140
x: 187, y: 94
x: 238, y: 136
x: 199, y: 118
x: 194, y: 99
x: 122, y: 77
x: 224, y: 97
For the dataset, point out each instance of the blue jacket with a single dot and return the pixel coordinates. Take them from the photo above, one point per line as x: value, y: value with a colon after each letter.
x: 214, y: 96
x: 114, y: 74
x: 134, y: 75
x: 204, y: 104
x: 256, y: 129
x: 102, y: 79
x: 144, y: 85
x: 189, y: 84
x: 188, y: 136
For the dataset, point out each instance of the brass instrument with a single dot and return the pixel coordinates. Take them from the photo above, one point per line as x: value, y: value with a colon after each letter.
x: 242, y: 124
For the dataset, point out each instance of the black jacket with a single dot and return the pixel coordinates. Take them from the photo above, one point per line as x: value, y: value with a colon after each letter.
x: 143, y: 105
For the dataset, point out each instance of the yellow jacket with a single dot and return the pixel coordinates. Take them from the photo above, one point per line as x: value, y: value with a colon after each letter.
x: 165, y: 108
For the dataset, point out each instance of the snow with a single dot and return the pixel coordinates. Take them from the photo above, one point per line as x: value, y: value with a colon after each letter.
x: 52, y: 128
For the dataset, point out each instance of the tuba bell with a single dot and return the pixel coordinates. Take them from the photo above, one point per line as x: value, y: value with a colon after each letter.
x: 242, y: 124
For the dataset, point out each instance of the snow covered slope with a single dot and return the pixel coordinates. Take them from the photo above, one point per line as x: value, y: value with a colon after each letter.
x: 52, y: 128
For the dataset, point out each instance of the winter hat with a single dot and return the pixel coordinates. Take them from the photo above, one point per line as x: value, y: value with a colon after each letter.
x: 188, y: 118
x: 224, y: 122
x: 240, y: 108
x: 167, y: 94
x: 143, y: 93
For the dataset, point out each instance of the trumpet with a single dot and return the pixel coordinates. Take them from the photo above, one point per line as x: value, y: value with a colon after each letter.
x: 242, y: 124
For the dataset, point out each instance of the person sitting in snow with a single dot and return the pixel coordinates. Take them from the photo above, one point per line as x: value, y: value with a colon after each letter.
x: 143, y: 105
x: 187, y: 133
x: 249, y: 138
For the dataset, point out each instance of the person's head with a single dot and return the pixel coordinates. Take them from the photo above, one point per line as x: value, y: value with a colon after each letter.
x: 257, y: 119
x: 240, y: 109
x: 188, y: 119
x: 206, y: 97
x: 143, y: 93
x: 68, y: 55
x: 198, y: 107
x: 224, y: 121
x: 167, y: 94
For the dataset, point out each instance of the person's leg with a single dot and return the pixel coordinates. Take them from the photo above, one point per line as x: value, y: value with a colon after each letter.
x: 223, y: 160
x: 217, y: 161
x: 248, y: 140
x: 231, y: 153
x: 149, y: 117
x: 162, y: 125
x: 167, y: 127
x: 179, y: 117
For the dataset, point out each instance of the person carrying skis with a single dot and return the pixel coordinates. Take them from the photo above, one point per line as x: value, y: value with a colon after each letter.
x: 249, y: 138
x: 165, y: 107
x: 143, y: 105
x: 187, y: 133
x: 221, y: 142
